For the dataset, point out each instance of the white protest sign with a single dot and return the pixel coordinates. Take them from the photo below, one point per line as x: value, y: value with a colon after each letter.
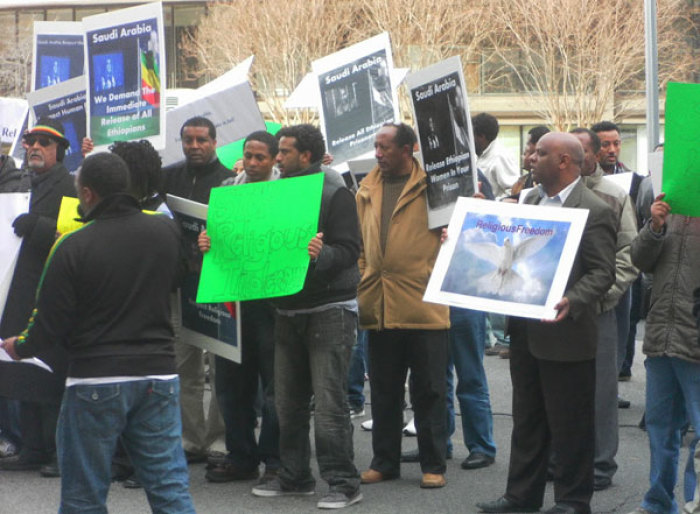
x: 506, y: 258
x: 233, y: 111
x: 357, y: 97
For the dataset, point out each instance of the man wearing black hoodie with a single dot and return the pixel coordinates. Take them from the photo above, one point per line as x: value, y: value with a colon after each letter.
x: 97, y: 285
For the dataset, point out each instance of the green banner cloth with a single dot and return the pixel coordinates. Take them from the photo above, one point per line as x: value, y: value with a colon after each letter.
x: 681, y: 177
x: 259, y: 239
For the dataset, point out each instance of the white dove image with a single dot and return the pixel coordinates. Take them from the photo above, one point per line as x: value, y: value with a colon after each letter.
x: 504, y: 280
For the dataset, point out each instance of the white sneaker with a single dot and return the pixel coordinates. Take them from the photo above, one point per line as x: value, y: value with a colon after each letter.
x: 410, y: 428
x: 366, y: 425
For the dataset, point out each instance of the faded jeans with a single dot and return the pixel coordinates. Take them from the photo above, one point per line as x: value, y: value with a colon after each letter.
x: 312, y: 356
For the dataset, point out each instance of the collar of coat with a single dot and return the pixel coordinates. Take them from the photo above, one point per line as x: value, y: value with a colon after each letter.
x: 371, y: 186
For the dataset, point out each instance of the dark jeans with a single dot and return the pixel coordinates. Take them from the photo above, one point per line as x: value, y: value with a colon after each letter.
x: 237, y: 390
x: 9, y: 420
x: 312, y: 356
x: 391, y: 354
x: 38, y: 425
x: 356, y: 377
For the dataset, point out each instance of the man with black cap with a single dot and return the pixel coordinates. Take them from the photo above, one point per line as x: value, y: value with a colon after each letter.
x: 49, y: 182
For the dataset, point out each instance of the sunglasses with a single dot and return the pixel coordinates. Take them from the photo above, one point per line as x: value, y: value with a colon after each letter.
x: 42, y: 140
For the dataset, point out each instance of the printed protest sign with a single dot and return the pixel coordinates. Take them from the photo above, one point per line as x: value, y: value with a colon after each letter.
x: 64, y: 102
x: 215, y: 327
x: 681, y: 175
x: 506, y: 258
x: 357, y: 96
x: 11, y: 206
x: 440, y: 108
x: 58, y: 53
x: 12, y: 113
x: 125, y: 63
x: 260, y: 234
x: 233, y: 111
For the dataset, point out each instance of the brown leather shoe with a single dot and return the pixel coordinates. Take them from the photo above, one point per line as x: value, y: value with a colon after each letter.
x: 432, y: 481
x: 372, y: 476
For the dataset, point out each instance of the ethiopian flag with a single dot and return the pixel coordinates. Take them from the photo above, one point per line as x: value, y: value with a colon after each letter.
x: 150, y: 79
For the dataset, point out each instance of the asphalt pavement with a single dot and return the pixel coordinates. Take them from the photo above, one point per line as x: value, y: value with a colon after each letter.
x: 27, y: 492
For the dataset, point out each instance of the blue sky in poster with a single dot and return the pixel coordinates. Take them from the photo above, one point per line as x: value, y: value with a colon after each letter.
x: 504, y: 258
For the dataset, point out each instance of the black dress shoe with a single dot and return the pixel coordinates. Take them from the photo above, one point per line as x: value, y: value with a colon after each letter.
x: 230, y: 473
x: 601, y: 483
x: 561, y: 509
x: 503, y: 504
x: 195, y: 458
x: 410, y: 456
x: 132, y: 483
x: 20, y: 463
x: 623, y: 404
x: 477, y: 460
x: 50, y: 470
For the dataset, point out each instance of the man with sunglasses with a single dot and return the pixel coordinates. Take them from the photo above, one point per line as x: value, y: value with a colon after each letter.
x: 48, y: 181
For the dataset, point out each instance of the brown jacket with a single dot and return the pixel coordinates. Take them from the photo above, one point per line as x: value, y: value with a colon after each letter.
x: 392, y: 286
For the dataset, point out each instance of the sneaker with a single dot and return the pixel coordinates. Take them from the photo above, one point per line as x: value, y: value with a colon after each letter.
x: 357, y: 412
x: 7, y: 448
x: 410, y: 428
x: 366, y: 425
x: 338, y: 500
x: 274, y: 488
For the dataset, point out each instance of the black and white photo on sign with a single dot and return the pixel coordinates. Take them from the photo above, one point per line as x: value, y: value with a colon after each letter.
x: 443, y: 124
x: 356, y: 96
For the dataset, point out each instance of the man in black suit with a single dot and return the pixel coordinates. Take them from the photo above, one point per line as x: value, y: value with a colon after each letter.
x: 39, y: 391
x: 552, y: 363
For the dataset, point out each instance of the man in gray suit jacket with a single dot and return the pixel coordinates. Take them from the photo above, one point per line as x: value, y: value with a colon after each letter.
x: 552, y: 363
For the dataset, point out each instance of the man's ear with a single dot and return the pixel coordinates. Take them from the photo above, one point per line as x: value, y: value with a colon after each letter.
x: 305, y: 158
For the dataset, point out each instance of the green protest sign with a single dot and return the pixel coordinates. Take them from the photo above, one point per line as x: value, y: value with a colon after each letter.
x: 259, y: 239
x: 681, y: 177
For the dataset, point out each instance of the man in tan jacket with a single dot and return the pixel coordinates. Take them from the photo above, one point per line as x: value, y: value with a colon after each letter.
x: 398, y: 255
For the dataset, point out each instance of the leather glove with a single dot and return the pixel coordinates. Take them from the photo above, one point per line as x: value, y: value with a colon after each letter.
x: 25, y: 223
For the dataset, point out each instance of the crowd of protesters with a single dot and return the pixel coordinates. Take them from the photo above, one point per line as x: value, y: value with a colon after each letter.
x: 124, y: 399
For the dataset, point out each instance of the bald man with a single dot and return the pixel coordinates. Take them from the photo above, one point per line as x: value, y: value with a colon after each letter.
x: 552, y: 363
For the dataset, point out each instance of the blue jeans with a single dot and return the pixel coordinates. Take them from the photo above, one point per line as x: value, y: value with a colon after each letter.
x: 356, y: 377
x: 146, y: 414
x: 312, y: 356
x: 673, y: 391
x: 467, y: 343
x: 237, y: 391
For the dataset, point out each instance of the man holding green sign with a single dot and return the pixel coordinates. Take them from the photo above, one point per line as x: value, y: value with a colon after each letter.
x: 314, y: 334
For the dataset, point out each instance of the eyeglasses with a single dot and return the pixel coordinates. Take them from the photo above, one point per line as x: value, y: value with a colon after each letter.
x: 42, y: 140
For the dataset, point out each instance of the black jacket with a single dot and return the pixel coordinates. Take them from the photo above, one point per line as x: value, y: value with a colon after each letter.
x: 9, y: 175
x: 334, y: 276
x: 45, y: 201
x: 105, y: 294
x: 195, y: 183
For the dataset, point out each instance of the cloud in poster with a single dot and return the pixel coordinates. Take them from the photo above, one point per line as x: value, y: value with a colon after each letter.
x: 507, y: 259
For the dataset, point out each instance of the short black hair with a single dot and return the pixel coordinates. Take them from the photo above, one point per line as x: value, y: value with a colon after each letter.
x: 405, y: 135
x: 485, y: 124
x: 595, y: 140
x: 199, y: 121
x: 145, y: 166
x: 265, y: 138
x: 535, y: 133
x: 308, y: 139
x: 605, y: 126
x: 105, y: 173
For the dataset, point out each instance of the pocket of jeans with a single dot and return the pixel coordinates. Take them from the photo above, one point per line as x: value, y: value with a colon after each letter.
x: 97, y: 407
x: 163, y: 405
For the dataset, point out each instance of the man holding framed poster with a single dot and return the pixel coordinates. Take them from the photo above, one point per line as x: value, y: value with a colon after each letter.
x: 552, y: 363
